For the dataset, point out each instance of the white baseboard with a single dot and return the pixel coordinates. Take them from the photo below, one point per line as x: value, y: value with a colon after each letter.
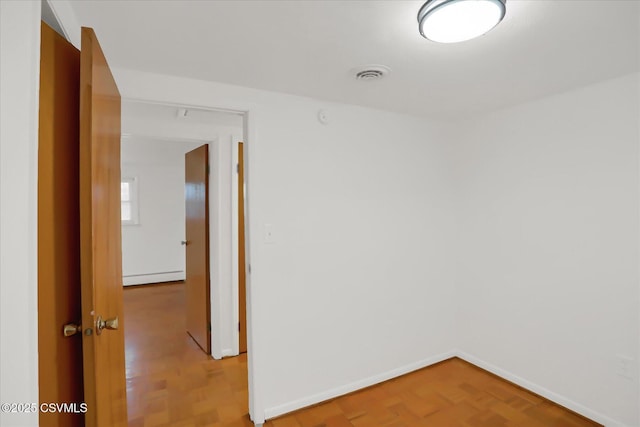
x: 357, y: 385
x: 227, y: 352
x: 144, y: 279
x: 535, y: 388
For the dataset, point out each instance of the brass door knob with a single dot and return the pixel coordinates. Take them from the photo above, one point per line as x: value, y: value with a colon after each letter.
x: 106, y: 324
x: 71, y: 329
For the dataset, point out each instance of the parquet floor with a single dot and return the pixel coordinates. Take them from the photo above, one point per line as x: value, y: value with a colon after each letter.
x: 171, y: 382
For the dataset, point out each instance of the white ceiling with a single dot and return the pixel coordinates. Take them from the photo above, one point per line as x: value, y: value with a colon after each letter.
x: 143, y: 111
x: 144, y: 121
x: 308, y: 47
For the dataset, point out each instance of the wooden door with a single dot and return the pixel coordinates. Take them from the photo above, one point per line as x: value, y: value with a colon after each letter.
x: 242, y: 286
x: 100, y: 239
x: 59, y: 357
x: 197, y: 247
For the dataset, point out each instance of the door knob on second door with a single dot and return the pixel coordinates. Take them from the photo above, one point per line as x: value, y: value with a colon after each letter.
x: 106, y: 324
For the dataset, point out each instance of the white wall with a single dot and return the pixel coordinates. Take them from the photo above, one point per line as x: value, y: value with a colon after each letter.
x: 360, y: 265
x: 19, y: 85
x: 548, y: 245
x: 151, y: 249
x: 638, y: 359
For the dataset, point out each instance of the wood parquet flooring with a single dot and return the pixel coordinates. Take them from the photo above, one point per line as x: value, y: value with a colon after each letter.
x: 171, y: 382
x: 453, y: 393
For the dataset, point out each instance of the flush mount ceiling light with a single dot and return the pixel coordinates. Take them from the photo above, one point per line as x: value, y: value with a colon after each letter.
x: 452, y: 21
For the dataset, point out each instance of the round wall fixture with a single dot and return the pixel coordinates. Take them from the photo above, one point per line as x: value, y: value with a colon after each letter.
x: 370, y: 72
x: 323, y: 117
x: 453, y: 21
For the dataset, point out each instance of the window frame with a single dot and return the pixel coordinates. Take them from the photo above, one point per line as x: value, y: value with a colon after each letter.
x: 133, y: 200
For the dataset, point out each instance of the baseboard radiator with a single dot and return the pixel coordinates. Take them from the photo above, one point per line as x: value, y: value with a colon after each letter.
x: 150, y: 278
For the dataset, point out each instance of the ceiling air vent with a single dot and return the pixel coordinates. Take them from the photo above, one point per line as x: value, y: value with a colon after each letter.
x: 370, y: 72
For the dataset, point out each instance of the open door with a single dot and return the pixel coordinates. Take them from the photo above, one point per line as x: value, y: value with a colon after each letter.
x: 242, y: 279
x: 100, y: 240
x: 79, y: 264
x: 59, y: 356
x: 197, y: 246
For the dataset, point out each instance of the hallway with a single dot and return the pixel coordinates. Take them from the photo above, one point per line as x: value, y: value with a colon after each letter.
x: 170, y: 381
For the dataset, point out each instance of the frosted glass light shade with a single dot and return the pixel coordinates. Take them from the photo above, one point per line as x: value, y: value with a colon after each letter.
x: 453, y: 21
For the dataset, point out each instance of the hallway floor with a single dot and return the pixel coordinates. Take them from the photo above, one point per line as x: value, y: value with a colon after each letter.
x: 171, y: 382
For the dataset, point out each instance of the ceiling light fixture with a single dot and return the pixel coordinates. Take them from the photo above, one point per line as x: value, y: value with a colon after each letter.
x: 453, y: 21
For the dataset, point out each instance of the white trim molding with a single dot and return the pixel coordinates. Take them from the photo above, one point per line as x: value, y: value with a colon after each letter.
x: 537, y: 389
x: 354, y: 386
x: 149, y: 278
x: 276, y: 411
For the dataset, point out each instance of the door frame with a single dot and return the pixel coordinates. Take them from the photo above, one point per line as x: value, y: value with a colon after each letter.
x: 235, y: 235
x: 248, y: 111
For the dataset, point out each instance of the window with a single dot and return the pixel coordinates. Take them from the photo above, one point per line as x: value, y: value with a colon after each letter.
x: 129, y: 201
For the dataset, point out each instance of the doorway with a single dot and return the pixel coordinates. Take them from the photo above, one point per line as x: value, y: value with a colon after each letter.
x: 112, y: 324
x: 156, y: 139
